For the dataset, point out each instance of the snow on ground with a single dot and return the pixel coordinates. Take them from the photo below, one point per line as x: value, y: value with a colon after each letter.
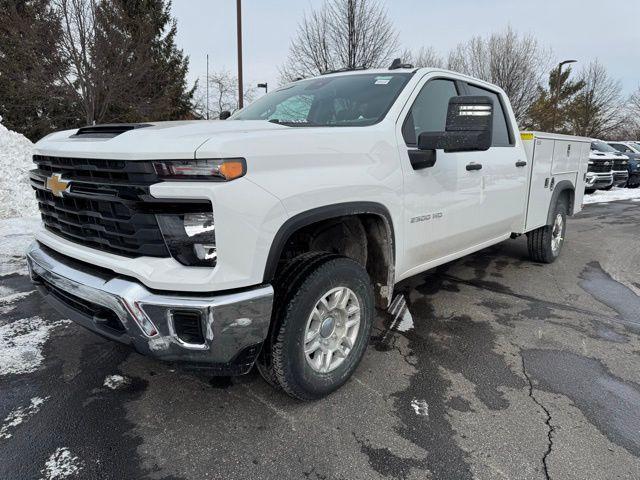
x: 20, y: 415
x: 21, y: 344
x: 601, y: 196
x: 115, y: 382
x: 16, y: 196
x: 15, y: 236
x: 61, y: 464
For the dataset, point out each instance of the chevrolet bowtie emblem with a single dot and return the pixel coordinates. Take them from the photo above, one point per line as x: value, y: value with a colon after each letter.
x: 57, y: 185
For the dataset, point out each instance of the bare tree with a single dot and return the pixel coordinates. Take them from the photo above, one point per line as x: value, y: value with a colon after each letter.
x: 223, y: 94
x: 517, y: 64
x: 598, y: 110
x: 77, y: 40
x: 341, y: 34
x: 424, y: 57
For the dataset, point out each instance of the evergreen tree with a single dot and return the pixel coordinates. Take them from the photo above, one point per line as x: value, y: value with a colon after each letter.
x: 140, y: 73
x: 33, y: 100
x: 550, y: 111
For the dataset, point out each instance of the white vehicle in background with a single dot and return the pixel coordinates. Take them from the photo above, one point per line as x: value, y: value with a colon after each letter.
x: 607, y: 167
x: 269, y: 238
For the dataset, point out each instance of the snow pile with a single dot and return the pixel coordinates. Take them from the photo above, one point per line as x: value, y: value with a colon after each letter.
x: 602, y: 196
x: 61, y: 464
x: 16, y: 196
x: 21, y: 344
x: 20, y: 415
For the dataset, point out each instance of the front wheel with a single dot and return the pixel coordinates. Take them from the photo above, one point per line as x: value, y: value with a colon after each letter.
x: 545, y: 243
x: 324, y: 326
x: 589, y: 191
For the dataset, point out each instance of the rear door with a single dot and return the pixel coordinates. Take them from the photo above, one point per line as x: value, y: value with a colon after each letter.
x: 442, y: 203
x: 504, y: 171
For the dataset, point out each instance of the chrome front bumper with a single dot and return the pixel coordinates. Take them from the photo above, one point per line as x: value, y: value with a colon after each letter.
x: 598, y: 180
x: 233, y: 325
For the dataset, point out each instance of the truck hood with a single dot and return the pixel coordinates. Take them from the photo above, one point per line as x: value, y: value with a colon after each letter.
x: 157, y: 141
x: 594, y: 155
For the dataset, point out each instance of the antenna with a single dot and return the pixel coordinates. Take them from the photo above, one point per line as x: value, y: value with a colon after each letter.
x: 397, y: 63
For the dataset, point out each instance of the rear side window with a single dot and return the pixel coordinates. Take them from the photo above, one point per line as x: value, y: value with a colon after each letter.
x: 429, y: 110
x: 501, y: 135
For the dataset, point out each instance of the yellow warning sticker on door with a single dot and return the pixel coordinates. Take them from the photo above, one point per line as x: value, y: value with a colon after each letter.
x: 526, y: 136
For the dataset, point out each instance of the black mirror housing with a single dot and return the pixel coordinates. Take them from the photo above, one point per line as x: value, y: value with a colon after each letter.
x: 469, y: 127
x: 224, y: 115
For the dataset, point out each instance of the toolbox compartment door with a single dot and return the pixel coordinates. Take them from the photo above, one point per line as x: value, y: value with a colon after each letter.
x: 541, y: 157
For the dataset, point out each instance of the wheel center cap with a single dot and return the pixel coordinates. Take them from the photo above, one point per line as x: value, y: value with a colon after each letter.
x: 327, y: 327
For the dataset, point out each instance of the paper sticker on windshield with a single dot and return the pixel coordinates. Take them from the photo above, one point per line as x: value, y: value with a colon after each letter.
x: 383, y: 80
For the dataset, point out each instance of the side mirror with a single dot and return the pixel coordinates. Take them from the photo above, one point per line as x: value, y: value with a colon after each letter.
x: 469, y: 127
x: 224, y: 115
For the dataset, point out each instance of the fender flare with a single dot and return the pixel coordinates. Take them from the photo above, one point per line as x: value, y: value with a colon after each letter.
x: 560, y: 187
x: 319, y: 214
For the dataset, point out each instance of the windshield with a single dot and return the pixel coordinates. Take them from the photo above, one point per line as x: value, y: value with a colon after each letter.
x: 346, y: 100
x: 602, y: 147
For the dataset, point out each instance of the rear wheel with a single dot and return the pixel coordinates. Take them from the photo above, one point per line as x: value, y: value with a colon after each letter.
x: 322, y: 328
x: 545, y: 243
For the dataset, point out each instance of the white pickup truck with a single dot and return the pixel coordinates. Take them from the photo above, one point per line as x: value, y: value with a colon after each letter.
x: 269, y: 238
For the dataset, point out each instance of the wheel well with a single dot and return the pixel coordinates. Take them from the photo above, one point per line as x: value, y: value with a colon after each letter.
x: 563, y: 192
x: 366, y: 238
x: 568, y: 196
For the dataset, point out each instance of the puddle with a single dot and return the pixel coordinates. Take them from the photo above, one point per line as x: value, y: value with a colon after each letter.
x: 608, y: 402
x: 613, y: 294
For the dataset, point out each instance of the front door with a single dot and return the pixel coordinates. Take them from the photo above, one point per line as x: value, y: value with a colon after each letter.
x: 442, y: 209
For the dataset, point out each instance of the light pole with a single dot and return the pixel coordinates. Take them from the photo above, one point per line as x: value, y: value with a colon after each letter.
x: 239, y: 31
x: 264, y: 85
x: 557, y: 92
x: 207, y: 86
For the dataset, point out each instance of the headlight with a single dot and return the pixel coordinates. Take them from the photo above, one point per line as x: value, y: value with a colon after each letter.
x: 190, y: 237
x: 221, y: 170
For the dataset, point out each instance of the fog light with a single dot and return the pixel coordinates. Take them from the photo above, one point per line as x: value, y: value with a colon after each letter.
x: 190, y: 237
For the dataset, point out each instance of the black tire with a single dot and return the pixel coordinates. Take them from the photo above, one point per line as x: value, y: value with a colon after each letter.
x: 634, y: 185
x: 309, y: 280
x: 608, y: 188
x: 589, y: 191
x: 286, y: 276
x: 539, y: 241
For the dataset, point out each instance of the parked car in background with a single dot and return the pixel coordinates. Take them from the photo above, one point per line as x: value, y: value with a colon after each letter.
x: 619, y: 162
x: 631, y: 150
x: 600, y: 170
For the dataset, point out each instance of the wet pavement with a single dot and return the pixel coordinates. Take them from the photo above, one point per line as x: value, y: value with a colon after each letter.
x: 491, y: 367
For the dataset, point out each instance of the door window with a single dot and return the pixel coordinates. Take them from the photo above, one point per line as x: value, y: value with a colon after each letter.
x: 429, y: 110
x: 501, y: 134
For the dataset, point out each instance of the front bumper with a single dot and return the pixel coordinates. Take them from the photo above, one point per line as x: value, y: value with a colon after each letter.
x: 598, y: 180
x: 620, y: 178
x: 233, y: 325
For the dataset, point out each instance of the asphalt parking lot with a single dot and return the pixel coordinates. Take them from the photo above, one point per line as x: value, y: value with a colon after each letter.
x: 491, y: 367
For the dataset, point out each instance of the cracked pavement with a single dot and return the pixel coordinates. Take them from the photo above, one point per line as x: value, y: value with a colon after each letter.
x: 491, y: 367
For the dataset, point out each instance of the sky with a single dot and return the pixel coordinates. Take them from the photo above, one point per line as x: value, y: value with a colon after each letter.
x: 574, y: 29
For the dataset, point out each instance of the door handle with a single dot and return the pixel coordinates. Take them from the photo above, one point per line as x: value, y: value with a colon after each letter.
x: 521, y: 163
x: 474, y: 166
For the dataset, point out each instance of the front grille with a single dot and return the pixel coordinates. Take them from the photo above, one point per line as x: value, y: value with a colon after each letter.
x: 620, y: 165
x: 107, y: 207
x: 600, y: 167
